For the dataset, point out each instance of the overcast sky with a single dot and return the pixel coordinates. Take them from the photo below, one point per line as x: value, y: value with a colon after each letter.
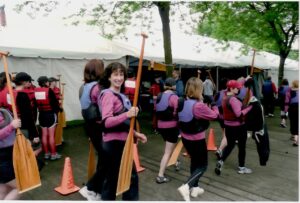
x: 54, y: 22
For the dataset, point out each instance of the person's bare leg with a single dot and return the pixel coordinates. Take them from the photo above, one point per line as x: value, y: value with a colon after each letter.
x: 51, y: 133
x: 223, y: 141
x: 4, y: 190
x: 13, y: 193
x: 169, y: 148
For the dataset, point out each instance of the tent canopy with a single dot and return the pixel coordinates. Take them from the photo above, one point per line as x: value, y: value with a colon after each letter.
x: 204, y: 51
x: 66, y: 52
x: 71, y: 43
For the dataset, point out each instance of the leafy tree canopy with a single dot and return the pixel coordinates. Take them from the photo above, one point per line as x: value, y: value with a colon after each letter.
x: 269, y: 26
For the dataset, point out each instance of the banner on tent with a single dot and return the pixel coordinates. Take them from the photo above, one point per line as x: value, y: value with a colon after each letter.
x: 156, y: 66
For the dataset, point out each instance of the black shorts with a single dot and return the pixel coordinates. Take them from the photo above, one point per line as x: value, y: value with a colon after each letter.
x: 6, y: 165
x: 47, y: 119
x: 294, y: 119
x: 169, y: 134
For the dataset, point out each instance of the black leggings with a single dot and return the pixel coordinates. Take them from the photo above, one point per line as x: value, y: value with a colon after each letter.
x: 294, y: 119
x: 232, y: 134
x: 94, y: 131
x: 198, y: 152
x: 112, y: 154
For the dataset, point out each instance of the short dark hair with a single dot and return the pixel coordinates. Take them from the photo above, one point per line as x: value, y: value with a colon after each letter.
x: 93, y: 70
x: 2, y: 80
x: 284, y: 82
x: 42, y: 80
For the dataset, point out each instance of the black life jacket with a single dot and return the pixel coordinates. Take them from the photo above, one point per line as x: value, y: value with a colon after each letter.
x: 89, y: 110
x: 164, y: 112
x: 186, y: 120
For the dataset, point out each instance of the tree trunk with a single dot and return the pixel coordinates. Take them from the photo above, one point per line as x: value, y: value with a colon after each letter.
x: 281, y: 69
x: 164, y: 11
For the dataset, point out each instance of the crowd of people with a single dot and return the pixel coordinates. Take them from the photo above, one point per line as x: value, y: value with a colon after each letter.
x: 181, y: 112
x: 32, y: 103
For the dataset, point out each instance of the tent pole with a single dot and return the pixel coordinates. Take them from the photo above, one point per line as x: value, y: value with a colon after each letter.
x: 217, y: 78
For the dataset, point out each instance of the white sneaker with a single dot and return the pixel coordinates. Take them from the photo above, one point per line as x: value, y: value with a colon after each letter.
x: 244, y: 170
x: 184, y: 190
x: 196, y: 191
x: 89, y: 195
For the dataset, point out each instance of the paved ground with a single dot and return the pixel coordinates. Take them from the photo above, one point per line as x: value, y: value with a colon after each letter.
x: 278, y: 181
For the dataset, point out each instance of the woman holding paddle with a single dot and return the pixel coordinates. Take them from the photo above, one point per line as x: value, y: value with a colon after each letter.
x: 116, y: 111
x: 8, y: 190
x: 193, y: 120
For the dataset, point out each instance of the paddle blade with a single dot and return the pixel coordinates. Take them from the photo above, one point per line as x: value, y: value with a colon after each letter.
x: 126, y: 165
x: 63, y: 118
x: 59, y: 130
x: 91, y: 161
x: 25, y: 165
x: 175, y: 153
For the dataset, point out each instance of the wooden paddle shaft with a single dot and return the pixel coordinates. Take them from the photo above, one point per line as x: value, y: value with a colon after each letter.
x: 59, y: 83
x: 252, y: 64
x: 247, y: 97
x: 127, y: 156
x: 62, y: 93
x: 8, y: 82
x: 211, y: 78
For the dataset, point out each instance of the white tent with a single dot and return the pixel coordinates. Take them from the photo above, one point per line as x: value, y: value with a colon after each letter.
x: 66, y: 53
x: 204, y: 51
x: 63, y: 53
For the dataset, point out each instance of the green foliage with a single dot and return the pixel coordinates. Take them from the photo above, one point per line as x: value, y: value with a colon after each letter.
x: 249, y: 22
x: 268, y: 26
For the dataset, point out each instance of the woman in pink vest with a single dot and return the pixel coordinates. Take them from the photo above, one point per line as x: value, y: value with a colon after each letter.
x: 235, y: 128
x: 116, y: 112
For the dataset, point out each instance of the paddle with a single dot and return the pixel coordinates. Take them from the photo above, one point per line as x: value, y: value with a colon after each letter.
x: 24, y: 160
x: 60, y: 121
x: 174, y: 157
x: 175, y: 154
x: 63, y: 114
x: 127, y: 156
x: 91, y: 161
x: 248, y: 94
x: 211, y: 78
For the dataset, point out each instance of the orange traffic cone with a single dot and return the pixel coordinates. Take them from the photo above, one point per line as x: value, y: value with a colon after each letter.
x: 136, y: 159
x: 211, y: 141
x: 67, y: 182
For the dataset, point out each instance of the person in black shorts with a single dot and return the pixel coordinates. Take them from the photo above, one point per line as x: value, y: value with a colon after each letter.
x: 48, y: 107
x: 166, y: 112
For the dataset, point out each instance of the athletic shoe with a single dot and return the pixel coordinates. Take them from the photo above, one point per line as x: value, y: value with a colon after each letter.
x: 283, y: 125
x: 89, y: 195
x: 219, y: 166
x: 271, y: 115
x: 55, y: 156
x: 47, y: 156
x: 218, y: 153
x: 177, y: 165
x: 160, y: 179
x: 196, y: 191
x: 184, y: 190
x: 244, y: 170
